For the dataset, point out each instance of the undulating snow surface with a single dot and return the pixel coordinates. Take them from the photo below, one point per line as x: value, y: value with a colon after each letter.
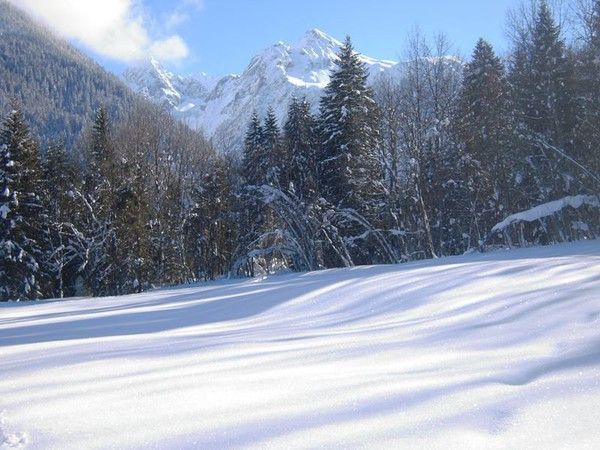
x: 500, y: 350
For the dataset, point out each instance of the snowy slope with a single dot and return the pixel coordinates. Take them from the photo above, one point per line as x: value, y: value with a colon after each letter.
x: 181, y: 93
x: 218, y: 107
x: 500, y: 350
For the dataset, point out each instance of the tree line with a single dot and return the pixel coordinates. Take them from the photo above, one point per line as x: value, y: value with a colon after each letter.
x: 118, y: 216
x: 418, y: 165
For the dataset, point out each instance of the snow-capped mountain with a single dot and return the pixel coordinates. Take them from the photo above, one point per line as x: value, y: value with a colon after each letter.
x: 222, y: 107
x: 181, y: 93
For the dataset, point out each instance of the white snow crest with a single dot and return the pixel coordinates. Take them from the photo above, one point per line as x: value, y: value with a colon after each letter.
x: 547, y: 209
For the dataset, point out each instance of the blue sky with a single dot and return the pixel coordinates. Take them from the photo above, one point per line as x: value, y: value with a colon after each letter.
x: 220, y: 36
x: 223, y: 34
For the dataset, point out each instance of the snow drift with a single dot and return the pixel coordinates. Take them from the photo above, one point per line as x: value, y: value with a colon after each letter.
x: 547, y: 209
x: 500, y: 350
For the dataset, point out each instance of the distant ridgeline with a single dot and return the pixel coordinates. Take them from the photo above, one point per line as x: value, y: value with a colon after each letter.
x: 58, y: 87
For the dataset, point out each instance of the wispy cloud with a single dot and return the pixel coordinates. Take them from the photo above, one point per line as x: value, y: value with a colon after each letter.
x: 176, y: 18
x: 112, y: 28
x: 182, y: 13
x: 198, y: 4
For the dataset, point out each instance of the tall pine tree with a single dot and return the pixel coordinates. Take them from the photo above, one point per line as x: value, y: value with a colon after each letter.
x: 22, y: 216
x: 542, y: 82
x: 349, y: 136
x: 301, y: 149
x: 61, y: 180
x: 349, y: 171
x: 485, y: 132
x: 253, y: 168
x: 99, y: 248
x: 249, y: 210
x: 588, y: 86
x: 273, y: 160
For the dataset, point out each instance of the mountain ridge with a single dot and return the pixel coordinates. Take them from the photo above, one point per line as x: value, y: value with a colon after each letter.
x: 271, y: 79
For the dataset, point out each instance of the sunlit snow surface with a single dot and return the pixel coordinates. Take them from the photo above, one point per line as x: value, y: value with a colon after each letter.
x: 500, y: 350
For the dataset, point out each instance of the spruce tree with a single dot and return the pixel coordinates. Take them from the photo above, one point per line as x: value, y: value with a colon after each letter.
x: 250, y: 213
x: 100, y: 252
x: 61, y: 180
x: 300, y: 149
x: 549, y: 125
x: 525, y: 173
x: 22, y: 215
x: 551, y: 77
x: 349, y: 171
x: 542, y: 88
x: 101, y: 139
x: 210, y: 226
x: 273, y: 165
x: 100, y: 179
x: 251, y: 162
x: 484, y: 130
x: 273, y: 160
x: 131, y: 223
x: 588, y: 87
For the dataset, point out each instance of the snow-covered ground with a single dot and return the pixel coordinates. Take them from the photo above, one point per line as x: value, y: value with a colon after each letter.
x: 500, y: 350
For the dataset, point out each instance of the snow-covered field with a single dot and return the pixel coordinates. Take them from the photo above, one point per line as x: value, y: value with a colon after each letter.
x: 500, y: 350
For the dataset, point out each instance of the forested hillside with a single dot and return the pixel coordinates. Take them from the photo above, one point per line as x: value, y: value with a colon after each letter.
x: 58, y: 86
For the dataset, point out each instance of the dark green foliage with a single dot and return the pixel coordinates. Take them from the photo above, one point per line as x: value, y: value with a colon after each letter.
x: 253, y: 166
x: 61, y: 180
x: 273, y: 164
x: 211, y: 222
x: 485, y: 133
x: 349, y: 170
x: 542, y: 77
x: 349, y: 135
x: 263, y: 152
x: 550, y: 107
x: 98, y: 197
x: 587, y: 148
x: 22, y: 216
x: 300, y: 147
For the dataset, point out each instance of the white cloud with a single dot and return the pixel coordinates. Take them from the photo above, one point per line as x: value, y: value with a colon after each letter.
x: 170, y: 48
x: 113, y: 28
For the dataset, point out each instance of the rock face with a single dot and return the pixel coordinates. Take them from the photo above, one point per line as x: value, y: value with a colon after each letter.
x: 222, y: 107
